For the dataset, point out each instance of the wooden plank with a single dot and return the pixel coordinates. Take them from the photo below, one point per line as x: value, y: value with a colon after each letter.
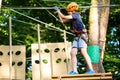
x: 97, y: 76
x: 86, y: 78
x: 84, y: 75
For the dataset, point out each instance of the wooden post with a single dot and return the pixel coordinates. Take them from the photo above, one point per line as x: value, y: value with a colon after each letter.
x: 10, y: 47
x: 51, y: 62
x: 66, y: 50
x: 38, y: 29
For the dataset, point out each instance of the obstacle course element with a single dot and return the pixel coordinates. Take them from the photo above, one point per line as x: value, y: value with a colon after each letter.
x: 97, y: 76
x: 18, y: 63
x: 53, y: 60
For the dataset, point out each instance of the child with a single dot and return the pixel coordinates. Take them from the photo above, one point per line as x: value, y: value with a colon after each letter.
x: 77, y: 25
x: 78, y: 28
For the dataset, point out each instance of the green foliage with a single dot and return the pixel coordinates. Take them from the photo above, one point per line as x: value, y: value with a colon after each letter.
x: 112, y: 53
x: 29, y: 75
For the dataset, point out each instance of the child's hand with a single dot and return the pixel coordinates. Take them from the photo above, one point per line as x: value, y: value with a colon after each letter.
x: 84, y: 30
x: 56, y: 8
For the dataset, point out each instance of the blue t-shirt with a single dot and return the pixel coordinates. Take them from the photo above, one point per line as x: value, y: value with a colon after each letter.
x: 77, y: 22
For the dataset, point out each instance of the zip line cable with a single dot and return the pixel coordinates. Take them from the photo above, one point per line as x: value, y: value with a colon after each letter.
x: 46, y: 26
x: 23, y: 22
x: 65, y: 1
x: 40, y: 21
x: 46, y: 8
x: 28, y: 7
x: 35, y: 24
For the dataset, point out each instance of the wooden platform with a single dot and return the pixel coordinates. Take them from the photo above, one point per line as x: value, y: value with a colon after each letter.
x: 97, y: 76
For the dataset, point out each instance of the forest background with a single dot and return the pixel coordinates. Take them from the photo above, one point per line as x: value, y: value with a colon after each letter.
x: 24, y: 30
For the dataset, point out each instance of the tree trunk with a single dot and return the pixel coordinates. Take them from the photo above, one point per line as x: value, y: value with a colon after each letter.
x: 103, y: 30
x: 98, y: 20
x: 94, y: 28
x: 93, y: 23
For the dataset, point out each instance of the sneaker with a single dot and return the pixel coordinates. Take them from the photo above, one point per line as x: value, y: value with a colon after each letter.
x: 89, y: 72
x: 73, y: 72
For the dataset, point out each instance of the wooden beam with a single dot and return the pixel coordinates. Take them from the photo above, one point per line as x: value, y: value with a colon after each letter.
x: 97, y: 76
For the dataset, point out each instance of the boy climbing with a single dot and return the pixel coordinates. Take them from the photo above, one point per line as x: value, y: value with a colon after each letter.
x: 79, y: 43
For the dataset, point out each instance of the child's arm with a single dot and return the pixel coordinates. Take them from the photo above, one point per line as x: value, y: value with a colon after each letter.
x: 61, y: 16
x: 68, y: 17
x: 63, y: 20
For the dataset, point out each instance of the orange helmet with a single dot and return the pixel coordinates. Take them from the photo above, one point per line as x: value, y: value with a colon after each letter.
x: 72, y: 7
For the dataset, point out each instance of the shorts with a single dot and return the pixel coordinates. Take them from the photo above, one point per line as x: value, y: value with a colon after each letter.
x: 79, y: 43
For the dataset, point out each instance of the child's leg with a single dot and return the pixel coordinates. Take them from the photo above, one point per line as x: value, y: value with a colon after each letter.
x: 74, y: 59
x: 86, y: 57
x: 83, y: 49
